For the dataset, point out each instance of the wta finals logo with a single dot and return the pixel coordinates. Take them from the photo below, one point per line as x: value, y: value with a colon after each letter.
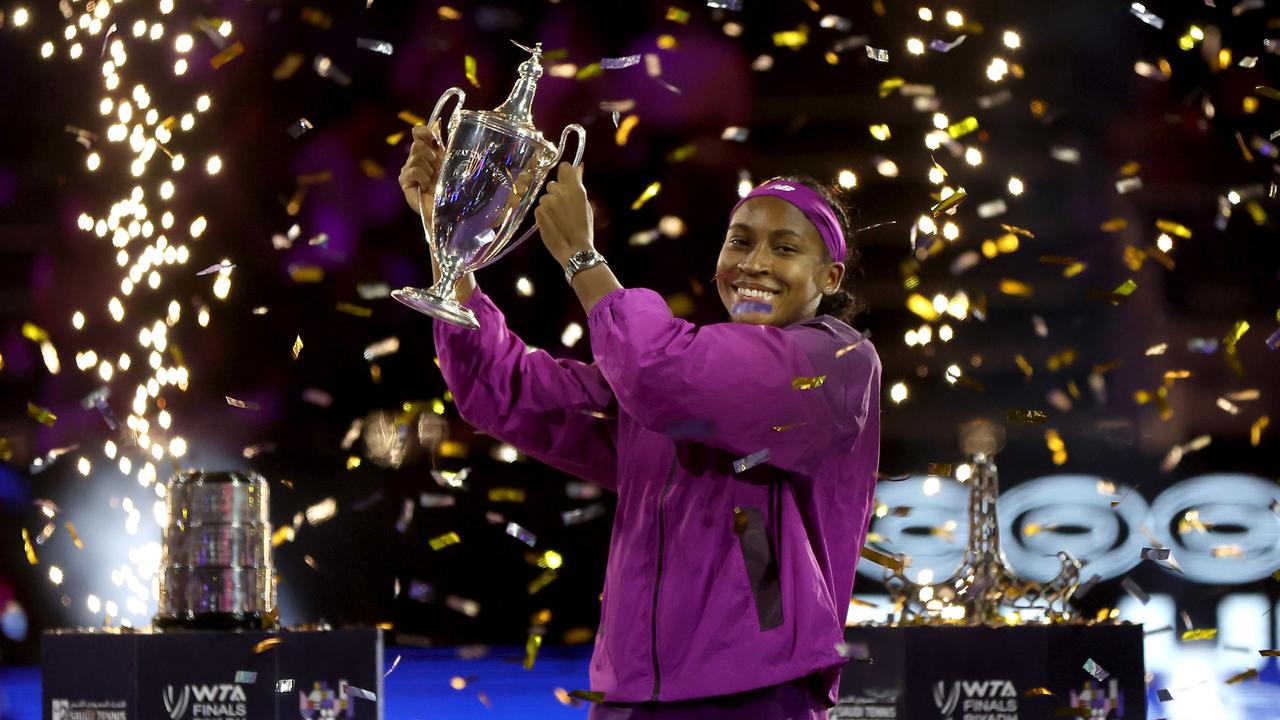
x: 976, y: 699
x: 324, y: 704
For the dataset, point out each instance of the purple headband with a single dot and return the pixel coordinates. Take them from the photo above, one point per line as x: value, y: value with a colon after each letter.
x: 812, y: 204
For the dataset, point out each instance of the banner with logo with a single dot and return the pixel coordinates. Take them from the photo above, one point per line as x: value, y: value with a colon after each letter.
x: 327, y: 675
x: 1013, y: 673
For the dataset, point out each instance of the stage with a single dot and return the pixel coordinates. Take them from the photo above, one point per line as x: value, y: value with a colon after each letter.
x: 419, y: 688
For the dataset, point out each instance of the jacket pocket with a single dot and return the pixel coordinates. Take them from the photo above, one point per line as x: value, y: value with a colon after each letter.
x: 762, y: 565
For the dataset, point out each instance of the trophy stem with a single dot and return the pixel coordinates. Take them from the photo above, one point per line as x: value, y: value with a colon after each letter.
x: 441, y: 300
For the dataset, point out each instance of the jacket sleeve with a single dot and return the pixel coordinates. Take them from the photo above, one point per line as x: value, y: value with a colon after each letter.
x: 561, y: 412
x: 801, y: 392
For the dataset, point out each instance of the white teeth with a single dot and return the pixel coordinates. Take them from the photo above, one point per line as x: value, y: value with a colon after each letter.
x: 756, y: 294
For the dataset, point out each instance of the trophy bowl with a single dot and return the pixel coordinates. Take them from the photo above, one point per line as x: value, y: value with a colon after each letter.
x: 494, y: 165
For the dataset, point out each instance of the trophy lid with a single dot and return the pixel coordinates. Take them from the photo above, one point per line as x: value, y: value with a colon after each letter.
x: 518, y: 107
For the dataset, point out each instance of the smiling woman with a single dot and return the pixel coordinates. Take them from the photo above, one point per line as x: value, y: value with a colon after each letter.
x: 785, y: 256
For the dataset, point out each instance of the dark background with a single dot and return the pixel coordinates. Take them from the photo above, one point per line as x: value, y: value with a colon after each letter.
x: 804, y: 114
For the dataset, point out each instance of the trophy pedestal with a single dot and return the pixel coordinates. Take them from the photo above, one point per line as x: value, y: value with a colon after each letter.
x: 193, y: 675
x: 428, y: 303
x: 924, y: 672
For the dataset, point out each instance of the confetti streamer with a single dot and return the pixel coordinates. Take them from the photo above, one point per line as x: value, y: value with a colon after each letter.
x: 243, y: 405
x: 1037, y: 692
x: 943, y: 46
x: 1135, y: 590
x: 41, y: 415
x: 584, y: 514
x: 619, y: 63
x: 75, y: 538
x: 444, y: 541
x: 648, y: 194
x: 394, y: 664
x: 28, y: 548
x: 1200, y: 634
x: 284, y: 686
x: 807, y: 383
x: 1095, y: 670
x: 246, y: 677
x: 353, y: 691
x: 300, y: 127
x: 226, y: 56
x: 1249, y: 674
x: 382, y: 348
x: 878, y: 54
x: 297, y: 347
x: 469, y: 65
x: 743, y: 464
x: 521, y: 534
x: 378, y: 46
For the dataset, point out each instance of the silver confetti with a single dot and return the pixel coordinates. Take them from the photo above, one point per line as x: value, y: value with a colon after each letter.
x: 619, y: 63
x: 246, y: 677
x: 522, y: 534
x: 583, y: 514
x: 378, y: 46
x: 284, y: 686
x: 382, y: 348
x: 750, y: 461
x: 878, y: 54
x: 1095, y: 670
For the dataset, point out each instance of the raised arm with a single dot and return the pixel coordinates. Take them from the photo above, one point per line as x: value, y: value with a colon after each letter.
x: 797, y: 392
x: 561, y: 412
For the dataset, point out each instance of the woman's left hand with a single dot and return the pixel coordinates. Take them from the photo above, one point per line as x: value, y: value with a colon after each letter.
x: 564, y: 215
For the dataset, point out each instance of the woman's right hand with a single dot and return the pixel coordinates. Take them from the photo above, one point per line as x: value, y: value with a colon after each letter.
x: 423, y: 166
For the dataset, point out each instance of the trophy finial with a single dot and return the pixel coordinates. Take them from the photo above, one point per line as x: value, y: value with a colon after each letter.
x: 518, y: 107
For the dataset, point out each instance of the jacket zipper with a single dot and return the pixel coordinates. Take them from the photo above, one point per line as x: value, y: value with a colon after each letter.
x: 657, y: 585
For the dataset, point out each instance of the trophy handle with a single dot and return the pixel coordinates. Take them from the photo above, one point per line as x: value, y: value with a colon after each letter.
x: 435, y: 115
x: 577, y: 160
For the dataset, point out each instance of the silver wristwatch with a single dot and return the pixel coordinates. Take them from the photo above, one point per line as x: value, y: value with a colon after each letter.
x: 580, y: 261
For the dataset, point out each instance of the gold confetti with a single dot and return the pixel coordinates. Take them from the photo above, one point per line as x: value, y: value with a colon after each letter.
x: 590, y: 696
x: 624, y: 129
x: 1037, y: 691
x: 372, y: 169
x: 447, y: 13
x: 41, y: 415
x: 506, y: 494
x: 948, y: 203
x: 784, y: 428
x: 888, y: 86
x: 297, y: 347
x: 962, y: 128
x: 531, y: 650
x: 444, y: 541
x: 1059, y: 449
x: 541, y: 581
x: 469, y: 64
x: 1023, y: 365
x: 1200, y: 634
x: 677, y: 15
x: 316, y: 18
x: 282, y: 535
x: 306, y: 273
x: 1114, y: 225
x: 266, y: 645
x: 75, y: 538
x: 1015, y: 287
x: 1269, y: 653
x: 1174, y: 228
x: 939, y: 469
x: 882, y: 559
x: 807, y: 383
x: 1249, y: 674
x: 356, y: 310
x: 353, y: 462
x: 1032, y: 529
x: 793, y: 39
x: 1227, y: 551
x: 847, y: 348
x: 1255, y: 430
x: 1267, y: 92
x: 288, y: 67
x: 29, y: 548
x: 1030, y: 417
x: 232, y: 52
x: 411, y: 118
x: 648, y: 194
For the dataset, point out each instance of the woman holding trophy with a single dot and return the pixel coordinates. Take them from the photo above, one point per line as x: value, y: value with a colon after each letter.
x: 743, y: 453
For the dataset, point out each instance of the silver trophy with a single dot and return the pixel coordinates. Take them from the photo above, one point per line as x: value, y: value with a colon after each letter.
x: 494, y: 165
x: 216, y: 571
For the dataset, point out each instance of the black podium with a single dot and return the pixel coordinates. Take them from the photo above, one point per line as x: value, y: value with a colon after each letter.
x: 979, y: 673
x: 323, y: 675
